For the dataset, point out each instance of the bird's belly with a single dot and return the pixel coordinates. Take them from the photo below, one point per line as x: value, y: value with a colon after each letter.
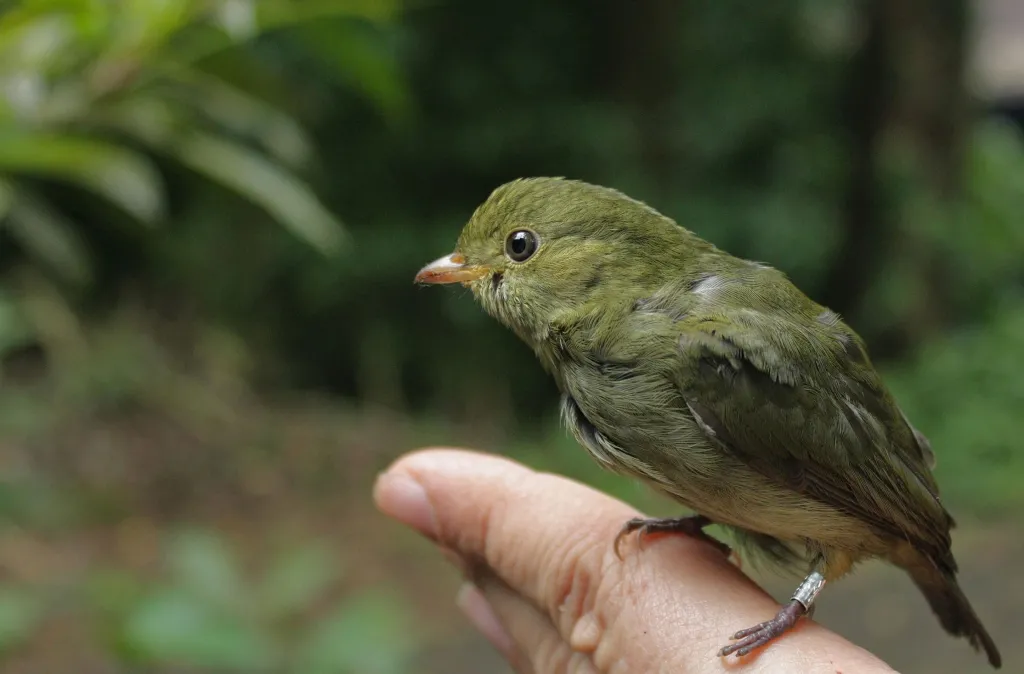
x: 674, y: 456
x: 749, y: 501
x: 729, y: 492
x: 635, y: 425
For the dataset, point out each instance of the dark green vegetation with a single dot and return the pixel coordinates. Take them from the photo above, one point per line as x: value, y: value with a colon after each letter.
x: 210, y: 223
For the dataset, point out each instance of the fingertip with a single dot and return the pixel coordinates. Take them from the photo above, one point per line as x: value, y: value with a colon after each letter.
x: 411, y: 487
x: 429, y: 461
x: 400, y: 496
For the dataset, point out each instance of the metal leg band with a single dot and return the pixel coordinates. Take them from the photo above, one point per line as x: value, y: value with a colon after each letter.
x: 809, y: 589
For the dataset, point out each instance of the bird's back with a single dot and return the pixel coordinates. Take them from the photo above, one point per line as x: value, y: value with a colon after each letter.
x: 742, y: 398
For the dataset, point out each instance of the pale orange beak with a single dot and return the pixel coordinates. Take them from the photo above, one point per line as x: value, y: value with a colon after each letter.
x: 450, y: 269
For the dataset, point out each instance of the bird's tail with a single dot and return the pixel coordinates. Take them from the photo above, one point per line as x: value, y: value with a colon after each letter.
x: 952, y: 608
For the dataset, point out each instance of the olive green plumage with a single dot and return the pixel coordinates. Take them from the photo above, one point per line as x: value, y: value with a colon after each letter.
x: 718, y: 382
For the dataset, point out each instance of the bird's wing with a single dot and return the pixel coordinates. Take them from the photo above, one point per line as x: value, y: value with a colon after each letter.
x: 802, y: 405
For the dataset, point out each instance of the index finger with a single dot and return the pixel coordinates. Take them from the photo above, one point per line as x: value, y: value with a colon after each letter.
x: 537, y: 531
x: 550, y: 538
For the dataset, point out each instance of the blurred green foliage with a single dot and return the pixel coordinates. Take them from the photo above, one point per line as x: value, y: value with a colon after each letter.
x: 968, y: 389
x: 207, y: 614
x: 106, y: 105
x: 211, y: 212
x: 20, y: 614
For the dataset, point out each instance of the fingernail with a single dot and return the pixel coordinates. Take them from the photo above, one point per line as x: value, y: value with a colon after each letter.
x: 478, y: 610
x: 403, y: 498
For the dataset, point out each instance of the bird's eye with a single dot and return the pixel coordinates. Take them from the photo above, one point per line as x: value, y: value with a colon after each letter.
x: 520, y: 245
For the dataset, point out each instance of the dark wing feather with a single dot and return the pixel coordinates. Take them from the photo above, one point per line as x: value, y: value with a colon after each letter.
x: 801, y: 404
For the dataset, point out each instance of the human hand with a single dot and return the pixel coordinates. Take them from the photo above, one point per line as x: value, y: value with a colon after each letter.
x: 546, y: 588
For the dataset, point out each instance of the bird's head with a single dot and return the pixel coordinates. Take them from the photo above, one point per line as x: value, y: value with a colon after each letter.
x: 539, y: 247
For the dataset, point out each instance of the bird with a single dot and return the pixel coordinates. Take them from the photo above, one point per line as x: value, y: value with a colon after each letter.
x: 720, y: 384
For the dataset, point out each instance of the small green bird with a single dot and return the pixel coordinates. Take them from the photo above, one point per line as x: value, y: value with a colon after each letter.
x: 716, y: 381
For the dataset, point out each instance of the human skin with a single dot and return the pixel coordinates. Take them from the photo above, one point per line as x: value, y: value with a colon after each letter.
x: 545, y: 587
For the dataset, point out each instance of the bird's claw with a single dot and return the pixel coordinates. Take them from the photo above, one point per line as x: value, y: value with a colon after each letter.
x: 759, y: 635
x: 691, y: 526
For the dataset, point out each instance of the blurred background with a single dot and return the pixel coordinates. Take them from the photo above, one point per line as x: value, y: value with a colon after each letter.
x: 211, y: 213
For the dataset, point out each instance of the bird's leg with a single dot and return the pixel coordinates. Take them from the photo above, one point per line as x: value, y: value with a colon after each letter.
x: 800, y: 605
x: 692, y: 525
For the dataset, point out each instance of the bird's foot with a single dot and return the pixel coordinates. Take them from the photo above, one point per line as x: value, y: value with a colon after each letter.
x: 691, y: 526
x: 759, y: 635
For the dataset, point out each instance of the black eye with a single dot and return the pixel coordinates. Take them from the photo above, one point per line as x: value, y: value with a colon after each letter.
x: 520, y: 245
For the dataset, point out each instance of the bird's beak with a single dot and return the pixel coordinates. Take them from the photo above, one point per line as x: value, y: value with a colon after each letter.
x: 450, y: 269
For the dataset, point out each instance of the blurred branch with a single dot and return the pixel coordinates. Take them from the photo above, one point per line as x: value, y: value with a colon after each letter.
x: 865, y: 229
x: 907, y: 114
x: 642, y: 62
x: 932, y: 115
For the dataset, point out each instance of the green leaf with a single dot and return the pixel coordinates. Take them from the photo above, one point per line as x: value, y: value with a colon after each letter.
x: 238, y: 18
x: 175, y: 627
x: 297, y: 578
x: 246, y: 115
x: 146, y: 26
x: 20, y: 613
x: 15, y: 330
x: 204, y: 40
x: 360, y: 60
x: 6, y: 198
x: 123, y: 177
x: 49, y: 237
x: 24, y: 20
x: 369, y: 634
x: 202, y: 563
x: 252, y: 176
x: 246, y: 70
x: 150, y: 119
x: 279, y: 13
